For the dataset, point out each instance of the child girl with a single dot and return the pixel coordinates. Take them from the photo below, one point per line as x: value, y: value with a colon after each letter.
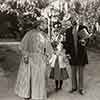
x: 59, y: 63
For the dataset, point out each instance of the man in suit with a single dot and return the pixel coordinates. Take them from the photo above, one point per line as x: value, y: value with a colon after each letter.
x: 76, y: 48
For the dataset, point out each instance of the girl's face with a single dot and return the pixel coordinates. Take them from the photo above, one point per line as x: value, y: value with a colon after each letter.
x: 61, y: 38
x: 60, y: 46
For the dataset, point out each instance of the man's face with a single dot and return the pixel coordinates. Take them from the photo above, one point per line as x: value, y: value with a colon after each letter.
x: 74, y: 23
x: 81, y: 23
x: 64, y: 37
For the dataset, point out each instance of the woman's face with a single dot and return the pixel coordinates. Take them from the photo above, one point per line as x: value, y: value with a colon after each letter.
x: 43, y: 26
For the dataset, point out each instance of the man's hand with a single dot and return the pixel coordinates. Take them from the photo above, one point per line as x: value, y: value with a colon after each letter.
x: 83, y: 42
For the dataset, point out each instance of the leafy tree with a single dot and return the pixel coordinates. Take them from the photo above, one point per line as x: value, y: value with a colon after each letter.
x: 20, y: 16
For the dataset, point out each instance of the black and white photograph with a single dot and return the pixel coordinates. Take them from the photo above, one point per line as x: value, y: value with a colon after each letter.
x: 49, y: 49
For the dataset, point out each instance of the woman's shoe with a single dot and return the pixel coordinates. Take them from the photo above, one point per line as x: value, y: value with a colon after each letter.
x: 26, y: 98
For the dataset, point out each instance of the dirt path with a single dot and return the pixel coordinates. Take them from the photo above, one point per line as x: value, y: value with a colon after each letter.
x: 9, y: 61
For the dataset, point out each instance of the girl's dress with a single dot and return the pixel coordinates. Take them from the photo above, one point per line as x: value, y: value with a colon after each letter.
x: 59, y: 64
x: 31, y: 77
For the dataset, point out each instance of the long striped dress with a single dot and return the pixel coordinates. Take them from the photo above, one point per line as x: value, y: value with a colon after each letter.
x: 30, y: 82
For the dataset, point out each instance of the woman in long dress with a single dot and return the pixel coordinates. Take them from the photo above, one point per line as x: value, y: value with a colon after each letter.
x: 30, y: 82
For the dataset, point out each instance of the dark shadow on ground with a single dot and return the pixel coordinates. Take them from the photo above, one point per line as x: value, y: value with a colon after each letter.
x: 9, y: 60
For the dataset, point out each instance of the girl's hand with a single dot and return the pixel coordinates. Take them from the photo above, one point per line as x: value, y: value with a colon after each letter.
x: 68, y: 56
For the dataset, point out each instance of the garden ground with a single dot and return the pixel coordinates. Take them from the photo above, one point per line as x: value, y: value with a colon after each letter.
x: 9, y: 62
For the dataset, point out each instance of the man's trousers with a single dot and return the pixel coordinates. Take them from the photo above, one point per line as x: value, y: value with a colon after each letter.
x: 77, y: 77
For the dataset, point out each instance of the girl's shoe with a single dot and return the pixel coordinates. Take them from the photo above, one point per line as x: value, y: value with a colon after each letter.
x: 56, y: 83
x: 61, y: 83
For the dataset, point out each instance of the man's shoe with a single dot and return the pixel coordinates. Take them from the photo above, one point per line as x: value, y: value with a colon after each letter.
x: 82, y: 92
x: 73, y: 90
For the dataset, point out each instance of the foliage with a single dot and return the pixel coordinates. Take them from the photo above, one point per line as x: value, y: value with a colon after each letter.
x: 20, y: 16
x: 90, y: 13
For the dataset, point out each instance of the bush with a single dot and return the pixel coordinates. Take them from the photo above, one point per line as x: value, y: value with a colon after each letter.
x: 18, y: 18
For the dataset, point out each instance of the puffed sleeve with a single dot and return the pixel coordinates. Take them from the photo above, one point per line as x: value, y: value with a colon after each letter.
x: 23, y: 47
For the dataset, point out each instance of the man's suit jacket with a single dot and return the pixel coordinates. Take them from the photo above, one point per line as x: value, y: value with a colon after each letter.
x: 81, y: 58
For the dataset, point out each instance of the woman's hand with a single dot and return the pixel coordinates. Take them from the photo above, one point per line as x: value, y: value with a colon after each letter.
x: 26, y: 60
